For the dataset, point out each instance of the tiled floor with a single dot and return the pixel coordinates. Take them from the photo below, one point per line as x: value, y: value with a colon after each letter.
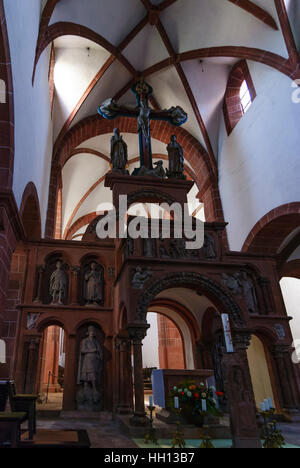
x: 102, y: 434
x: 107, y: 434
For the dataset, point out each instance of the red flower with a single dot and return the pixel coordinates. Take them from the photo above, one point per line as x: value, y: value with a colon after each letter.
x: 219, y: 394
x: 196, y: 395
x: 182, y: 393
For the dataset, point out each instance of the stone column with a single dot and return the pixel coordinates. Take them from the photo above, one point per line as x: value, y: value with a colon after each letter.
x: 137, y: 333
x: 123, y: 348
x: 40, y: 272
x: 286, y: 379
x: 74, y: 284
x: 32, y: 365
x: 239, y: 390
x: 71, y: 370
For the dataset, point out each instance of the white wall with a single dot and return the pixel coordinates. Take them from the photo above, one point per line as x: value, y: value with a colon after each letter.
x: 259, y: 162
x: 33, y: 126
x: 291, y: 293
x: 150, y: 343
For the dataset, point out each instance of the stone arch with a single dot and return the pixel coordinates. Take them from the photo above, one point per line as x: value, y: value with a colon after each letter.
x: 272, y: 229
x: 30, y: 212
x: 191, y: 280
x: 51, y: 321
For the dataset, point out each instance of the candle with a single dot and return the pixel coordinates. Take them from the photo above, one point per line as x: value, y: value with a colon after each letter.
x: 270, y: 403
x: 267, y: 404
x: 263, y: 407
x: 204, y: 406
x: 176, y: 402
x: 150, y: 400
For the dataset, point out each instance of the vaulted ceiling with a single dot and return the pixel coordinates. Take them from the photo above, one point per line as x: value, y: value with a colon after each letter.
x: 185, y: 50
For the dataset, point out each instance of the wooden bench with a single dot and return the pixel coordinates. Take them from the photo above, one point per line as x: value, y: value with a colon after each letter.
x: 24, y: 404
x: 10, y: 428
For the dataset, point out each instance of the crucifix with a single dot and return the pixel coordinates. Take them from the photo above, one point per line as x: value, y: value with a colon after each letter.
x: 144, y: 114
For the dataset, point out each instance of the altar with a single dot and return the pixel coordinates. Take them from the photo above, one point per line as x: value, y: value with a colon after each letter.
x: 164, y: 380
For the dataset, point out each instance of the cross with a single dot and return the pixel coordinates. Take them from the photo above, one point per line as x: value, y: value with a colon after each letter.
x: 175, y: 115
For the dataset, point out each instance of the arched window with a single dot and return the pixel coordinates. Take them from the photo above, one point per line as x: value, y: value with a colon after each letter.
x: 240, y: 94
x: 245, y: 97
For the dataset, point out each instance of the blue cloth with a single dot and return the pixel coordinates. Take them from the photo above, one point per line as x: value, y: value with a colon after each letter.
x: 158, y: 388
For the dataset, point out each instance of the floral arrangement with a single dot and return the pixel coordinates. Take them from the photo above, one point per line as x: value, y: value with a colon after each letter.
x: 195, y: 400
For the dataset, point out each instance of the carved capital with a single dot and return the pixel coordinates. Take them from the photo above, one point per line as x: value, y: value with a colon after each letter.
x: 137, y: 332
x: 75, y: 270
x: 242, y: 340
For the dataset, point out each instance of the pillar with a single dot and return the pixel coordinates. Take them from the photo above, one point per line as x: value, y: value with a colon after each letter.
x: 74, y: 284
x: 40, y: 271
x: 71, y: 369
x: 137, y: 333
x: 123, y: 349
x: 32, y: 365
x: 240, y: 395
x: 286, y: 378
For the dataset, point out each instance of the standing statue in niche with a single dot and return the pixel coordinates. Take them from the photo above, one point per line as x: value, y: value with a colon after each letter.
x: 118, y: 153
x: 93, y: 285
x: 58, y: 284
x: 249, y: 292
x: 176, y: 160
x: 209, y: 249
x: 89, y: 372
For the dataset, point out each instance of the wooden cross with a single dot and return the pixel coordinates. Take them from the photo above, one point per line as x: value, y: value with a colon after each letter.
x: 175, y: 115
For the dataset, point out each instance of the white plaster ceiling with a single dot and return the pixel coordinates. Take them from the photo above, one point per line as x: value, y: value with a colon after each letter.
x: 77, y: 60
x: 190, y: 25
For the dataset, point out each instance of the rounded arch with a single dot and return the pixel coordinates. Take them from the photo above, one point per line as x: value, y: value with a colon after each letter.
x: 269, y: 233
x: 185, y: 323
x: 51, y: 321
x: 30, y: 212
x: 191, y: 280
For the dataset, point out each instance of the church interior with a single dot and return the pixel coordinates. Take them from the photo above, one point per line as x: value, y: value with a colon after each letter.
x: 189, y: 110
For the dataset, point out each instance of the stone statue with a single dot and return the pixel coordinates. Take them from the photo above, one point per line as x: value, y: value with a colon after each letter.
x: 149, y: 247
x: 93, y: 285
x: 144, y: 122
x: 158, y: 171
x: 209, y: 249
x: 90, y: 364
x: 249, y: 292
x: 178, y: 115
x: 233, y: 283
x: 118, y: 153
x: 176, y: 160
x: 177, y: 248
x: 109, y: 108
x: 140, y: 277
x: 58, y: 284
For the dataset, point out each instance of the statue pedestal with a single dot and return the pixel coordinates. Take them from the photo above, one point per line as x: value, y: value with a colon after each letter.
x: 147, y: 189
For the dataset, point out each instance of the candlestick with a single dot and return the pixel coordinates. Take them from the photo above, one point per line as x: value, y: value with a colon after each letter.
x: 176, y: 402
x: 270, y: 403
x: 267, y: 406
x: 204, y: 406
x: 150, y: 400
x: 263, y: 407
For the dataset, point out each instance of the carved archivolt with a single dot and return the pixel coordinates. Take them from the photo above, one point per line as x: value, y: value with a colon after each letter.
x: 190, y: 279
